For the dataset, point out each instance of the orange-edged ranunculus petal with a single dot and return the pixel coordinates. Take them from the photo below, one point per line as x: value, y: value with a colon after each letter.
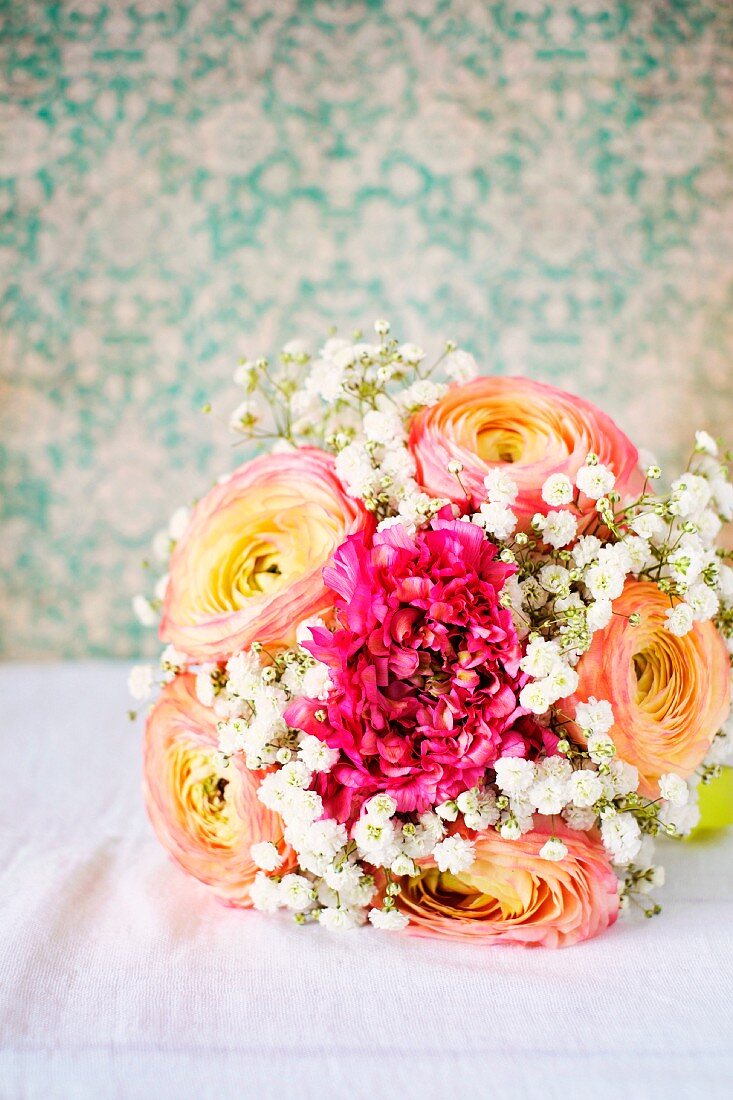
x: 249, y: 565
x: 512, y: 895
x: 670, y: 694
x: 531, y: 429
x: 206, y: 815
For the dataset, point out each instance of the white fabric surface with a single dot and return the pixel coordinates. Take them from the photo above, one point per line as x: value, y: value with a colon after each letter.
x: 120, y: 977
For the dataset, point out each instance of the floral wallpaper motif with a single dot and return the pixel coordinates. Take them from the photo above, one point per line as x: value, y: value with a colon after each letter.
x: 181, y: 182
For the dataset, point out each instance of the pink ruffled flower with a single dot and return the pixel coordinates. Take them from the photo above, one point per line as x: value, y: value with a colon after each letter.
x: 424, y: 668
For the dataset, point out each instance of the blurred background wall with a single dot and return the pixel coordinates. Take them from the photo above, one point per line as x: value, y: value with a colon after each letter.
x: 184, y: 182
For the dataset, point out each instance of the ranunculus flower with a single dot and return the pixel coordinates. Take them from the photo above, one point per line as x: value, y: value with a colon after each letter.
x: 249, y: 565
x: 206, y: 816
x: 424, y: 669
x: 512, y: 895
x: 670, y: 694
x: 533, y: 430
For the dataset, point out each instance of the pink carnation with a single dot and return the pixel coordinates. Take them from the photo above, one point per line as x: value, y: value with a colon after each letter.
x: 424, y: 668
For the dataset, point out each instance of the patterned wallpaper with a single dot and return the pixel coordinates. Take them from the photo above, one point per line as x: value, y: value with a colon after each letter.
x: 182, y: 182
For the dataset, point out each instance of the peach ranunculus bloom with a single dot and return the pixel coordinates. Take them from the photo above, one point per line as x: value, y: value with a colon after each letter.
x: 205, y: 815
x: 670, y: 694
x: 512, y: 895
x: 249, y: 565
x: 532, y: 429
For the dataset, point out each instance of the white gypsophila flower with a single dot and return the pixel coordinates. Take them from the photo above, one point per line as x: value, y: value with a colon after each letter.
x: 514, y: 774
x: 411, y: 353
x: 316, y: 754
x: 245, y: 416
x: 161, y: 586
x: 388, y: 920
x: 421, y: 394
x: 553, y: 849
x: 317, y: 843
x: 686, y: 562
x: 338, y: 918
x: 534, y: 698
x: 557, y: 490
x: 556, y: 766
x: 649, y: 526
x: 674, y: 789
x: 621, y: 778
x: 541, y: 658
x: 584, y: 788
x: 265, y: 855
x: 448, y: 811
x: 383, y: 426
x: 709, y: 526
x: 381, y: 806
x: 595, y: 481
x: 178, y: 523
x: 419, y: 840
x: 172, y: 660
x: 460, y: 366
x: 512, y: 594
x: 404, y: 865
x: 559, y: 529
x: 510, y: 829
x: 140, y: 681
x: 722, y: 491
x: 621, y: 837
x: 604, y: 581
x: 721, y: 750
x: 595, y: 715
x: 398, y: 464
x: 579, y: 818
x: 600, y: 748
x: 554, y: 578
x: 304, y: 629
x: 549, y: 795
x: 375, y: 840
x: 301, y: 805
x: 162, y: 545
x: 144, y: 611
x: 690, y: 495
x: 725, y: 583
x: 702, y: 600
x: 355, y: 470
x: 264, y: 893
x: 500, y: 487
x: 561, y: 682
x: 680, y: 819
x: 586, y: 550
x: 639, y: 553
x: 316, y: 681
x: 296, y: 893
x: 454, y: 854
x: 243, y: 674
x: 344, y: 879
x: 296, y: 348
x: 598, y: 615
x: 679, y: 619
x: 497, y: 520
x: 705, y: 444
x: 325, y: 379
x: 244, y: 373
x: 204, y: 685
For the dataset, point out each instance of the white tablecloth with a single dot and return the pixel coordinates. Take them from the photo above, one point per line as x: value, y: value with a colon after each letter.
x: 119, y: 977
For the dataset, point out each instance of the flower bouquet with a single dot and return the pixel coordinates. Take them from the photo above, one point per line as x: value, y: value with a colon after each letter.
x: 444, y: 659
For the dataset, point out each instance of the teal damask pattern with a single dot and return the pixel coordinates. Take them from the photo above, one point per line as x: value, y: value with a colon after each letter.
x: 549, y: 183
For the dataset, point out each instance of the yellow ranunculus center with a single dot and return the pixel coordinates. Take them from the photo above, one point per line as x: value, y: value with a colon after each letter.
x: 657, y: 685
x: 205, y: 805
x: 489, y: 893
